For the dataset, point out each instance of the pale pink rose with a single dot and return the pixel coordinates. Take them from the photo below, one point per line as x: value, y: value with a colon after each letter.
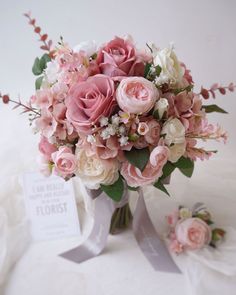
x: 65, y: 162
x: 153, y: 135
x: 193, y: 233
x: 143, y: 128
x: 119, y: 58
x: 153, y: 170
x: 46, y: 148
x: 88, y: 101
x: 136, y: 95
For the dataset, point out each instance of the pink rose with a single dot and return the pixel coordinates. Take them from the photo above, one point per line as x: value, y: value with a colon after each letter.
x: 119, y: 58
x: 65, y: 162
x: 136, y: 95
x: 46, y: 148
x: 153, y: 135
x: 88, y: 101
x: 153, y: 170
x: 193, y: 233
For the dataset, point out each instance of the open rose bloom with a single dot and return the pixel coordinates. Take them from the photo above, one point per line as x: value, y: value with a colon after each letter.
x: 192, y: 229
x: 115, y: 115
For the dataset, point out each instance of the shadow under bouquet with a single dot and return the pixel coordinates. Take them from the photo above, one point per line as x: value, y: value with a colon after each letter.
x: 117, y: 117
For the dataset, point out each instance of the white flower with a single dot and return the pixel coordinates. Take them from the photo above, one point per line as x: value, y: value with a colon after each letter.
x: 105, y: 134
x: 162, y: 106
x: 52, y: 72
x: 185, y: 213
x: 115, y: 120
x: 176, y: 152
x: 171, y: 70
x: 173, y: 131
x: 89, y: 47
x: 103, y: 121
x: 123, y: 140
x: 122, y: 129
x: 93, y: 171
x: 111, y: 129
x: 91, y: 138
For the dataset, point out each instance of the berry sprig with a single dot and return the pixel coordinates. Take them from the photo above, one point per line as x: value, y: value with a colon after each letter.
x: 26, y: 108
x: 207, y: 93
x: 47, y: 44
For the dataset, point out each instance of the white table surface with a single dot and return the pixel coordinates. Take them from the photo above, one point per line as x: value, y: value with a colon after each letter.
x: 204, y: 34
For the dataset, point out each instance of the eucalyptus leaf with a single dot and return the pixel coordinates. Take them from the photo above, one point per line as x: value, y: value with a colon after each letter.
x: 114, y: 191
x: 138, y: 157
x: 38, y: 82
x: 36, y: 69
x: 213, y: 108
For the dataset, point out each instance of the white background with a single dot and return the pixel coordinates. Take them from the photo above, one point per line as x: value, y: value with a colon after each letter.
x: 204, y: 35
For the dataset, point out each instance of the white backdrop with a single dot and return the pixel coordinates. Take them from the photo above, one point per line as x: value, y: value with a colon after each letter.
x: 204, y: 35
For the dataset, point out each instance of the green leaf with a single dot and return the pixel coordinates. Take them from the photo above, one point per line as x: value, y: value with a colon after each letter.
x: 167, y: 170
x: 38, y: 82
x: 44, y: 60
x: 115, y: 190
x: 147, y: 69
x: 36, y: 69
x: 40, y: 64
x: 185, y: 165
x: 138, y: 157
x: 188, y: 89
x: 156, y: 115
x: 213, y: 108
x: 158, y: 184
x: 158, y: 70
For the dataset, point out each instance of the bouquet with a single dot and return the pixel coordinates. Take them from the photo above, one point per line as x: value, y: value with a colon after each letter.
x: 118, y: 117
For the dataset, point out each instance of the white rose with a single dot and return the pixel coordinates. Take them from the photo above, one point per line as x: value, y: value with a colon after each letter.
x: 89, y: 47
x: 94, y: 171
x: 173, y: 131
x: 176, y: 152
x: 161, y: 106
x: 171, y: 72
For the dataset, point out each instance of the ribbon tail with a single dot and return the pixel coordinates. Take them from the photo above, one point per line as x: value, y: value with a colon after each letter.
x: 95, y: 243
x: 149, y: 241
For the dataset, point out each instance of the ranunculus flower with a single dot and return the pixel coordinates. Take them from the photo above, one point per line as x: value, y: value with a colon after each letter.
x: 119, y: 58
x: 65, y: 162
x: 171, y: 70
x: 173, y: 131
x: 136, y: 95
x: 88, y: 101
x: 46, y: 148
x: 193, y: 233
x: 94, y: 171
x: 153, y: 135
x: 153, y: 170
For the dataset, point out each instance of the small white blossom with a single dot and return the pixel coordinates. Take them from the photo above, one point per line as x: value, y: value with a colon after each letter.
x: 91, y: 138
x: 162, y: 106
x: 105, y: 134
x: 185, y: 213
x: 111, y: 129
x: 123, y: 140
x: 122, y: 129
x: 103, y: 121
x: 115, y: 120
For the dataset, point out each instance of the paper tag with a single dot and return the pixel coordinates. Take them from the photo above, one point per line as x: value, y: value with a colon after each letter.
x: 51, y: 206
